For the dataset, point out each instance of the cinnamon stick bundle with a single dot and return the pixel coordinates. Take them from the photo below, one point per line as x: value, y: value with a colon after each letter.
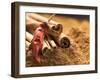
x: 56, y: 28
x: 46, y: 47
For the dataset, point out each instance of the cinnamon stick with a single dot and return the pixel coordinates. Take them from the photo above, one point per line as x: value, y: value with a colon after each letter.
x: 46, y: 48
x: 62, y: 40
x: 51, y: 42
x: 29, y: 36
x: 27, y: 44
x: 31, y: 24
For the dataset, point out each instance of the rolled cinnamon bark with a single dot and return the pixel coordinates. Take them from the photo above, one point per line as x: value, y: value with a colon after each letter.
x: 49, y: 47
x: 51, y: 42
x: 29, y: 36
x: 27, y: 44
x: 46, y: 48
x: 54, y: 26
x: 31, y: 24
x: 62, y: 41
x: 55, y: 30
